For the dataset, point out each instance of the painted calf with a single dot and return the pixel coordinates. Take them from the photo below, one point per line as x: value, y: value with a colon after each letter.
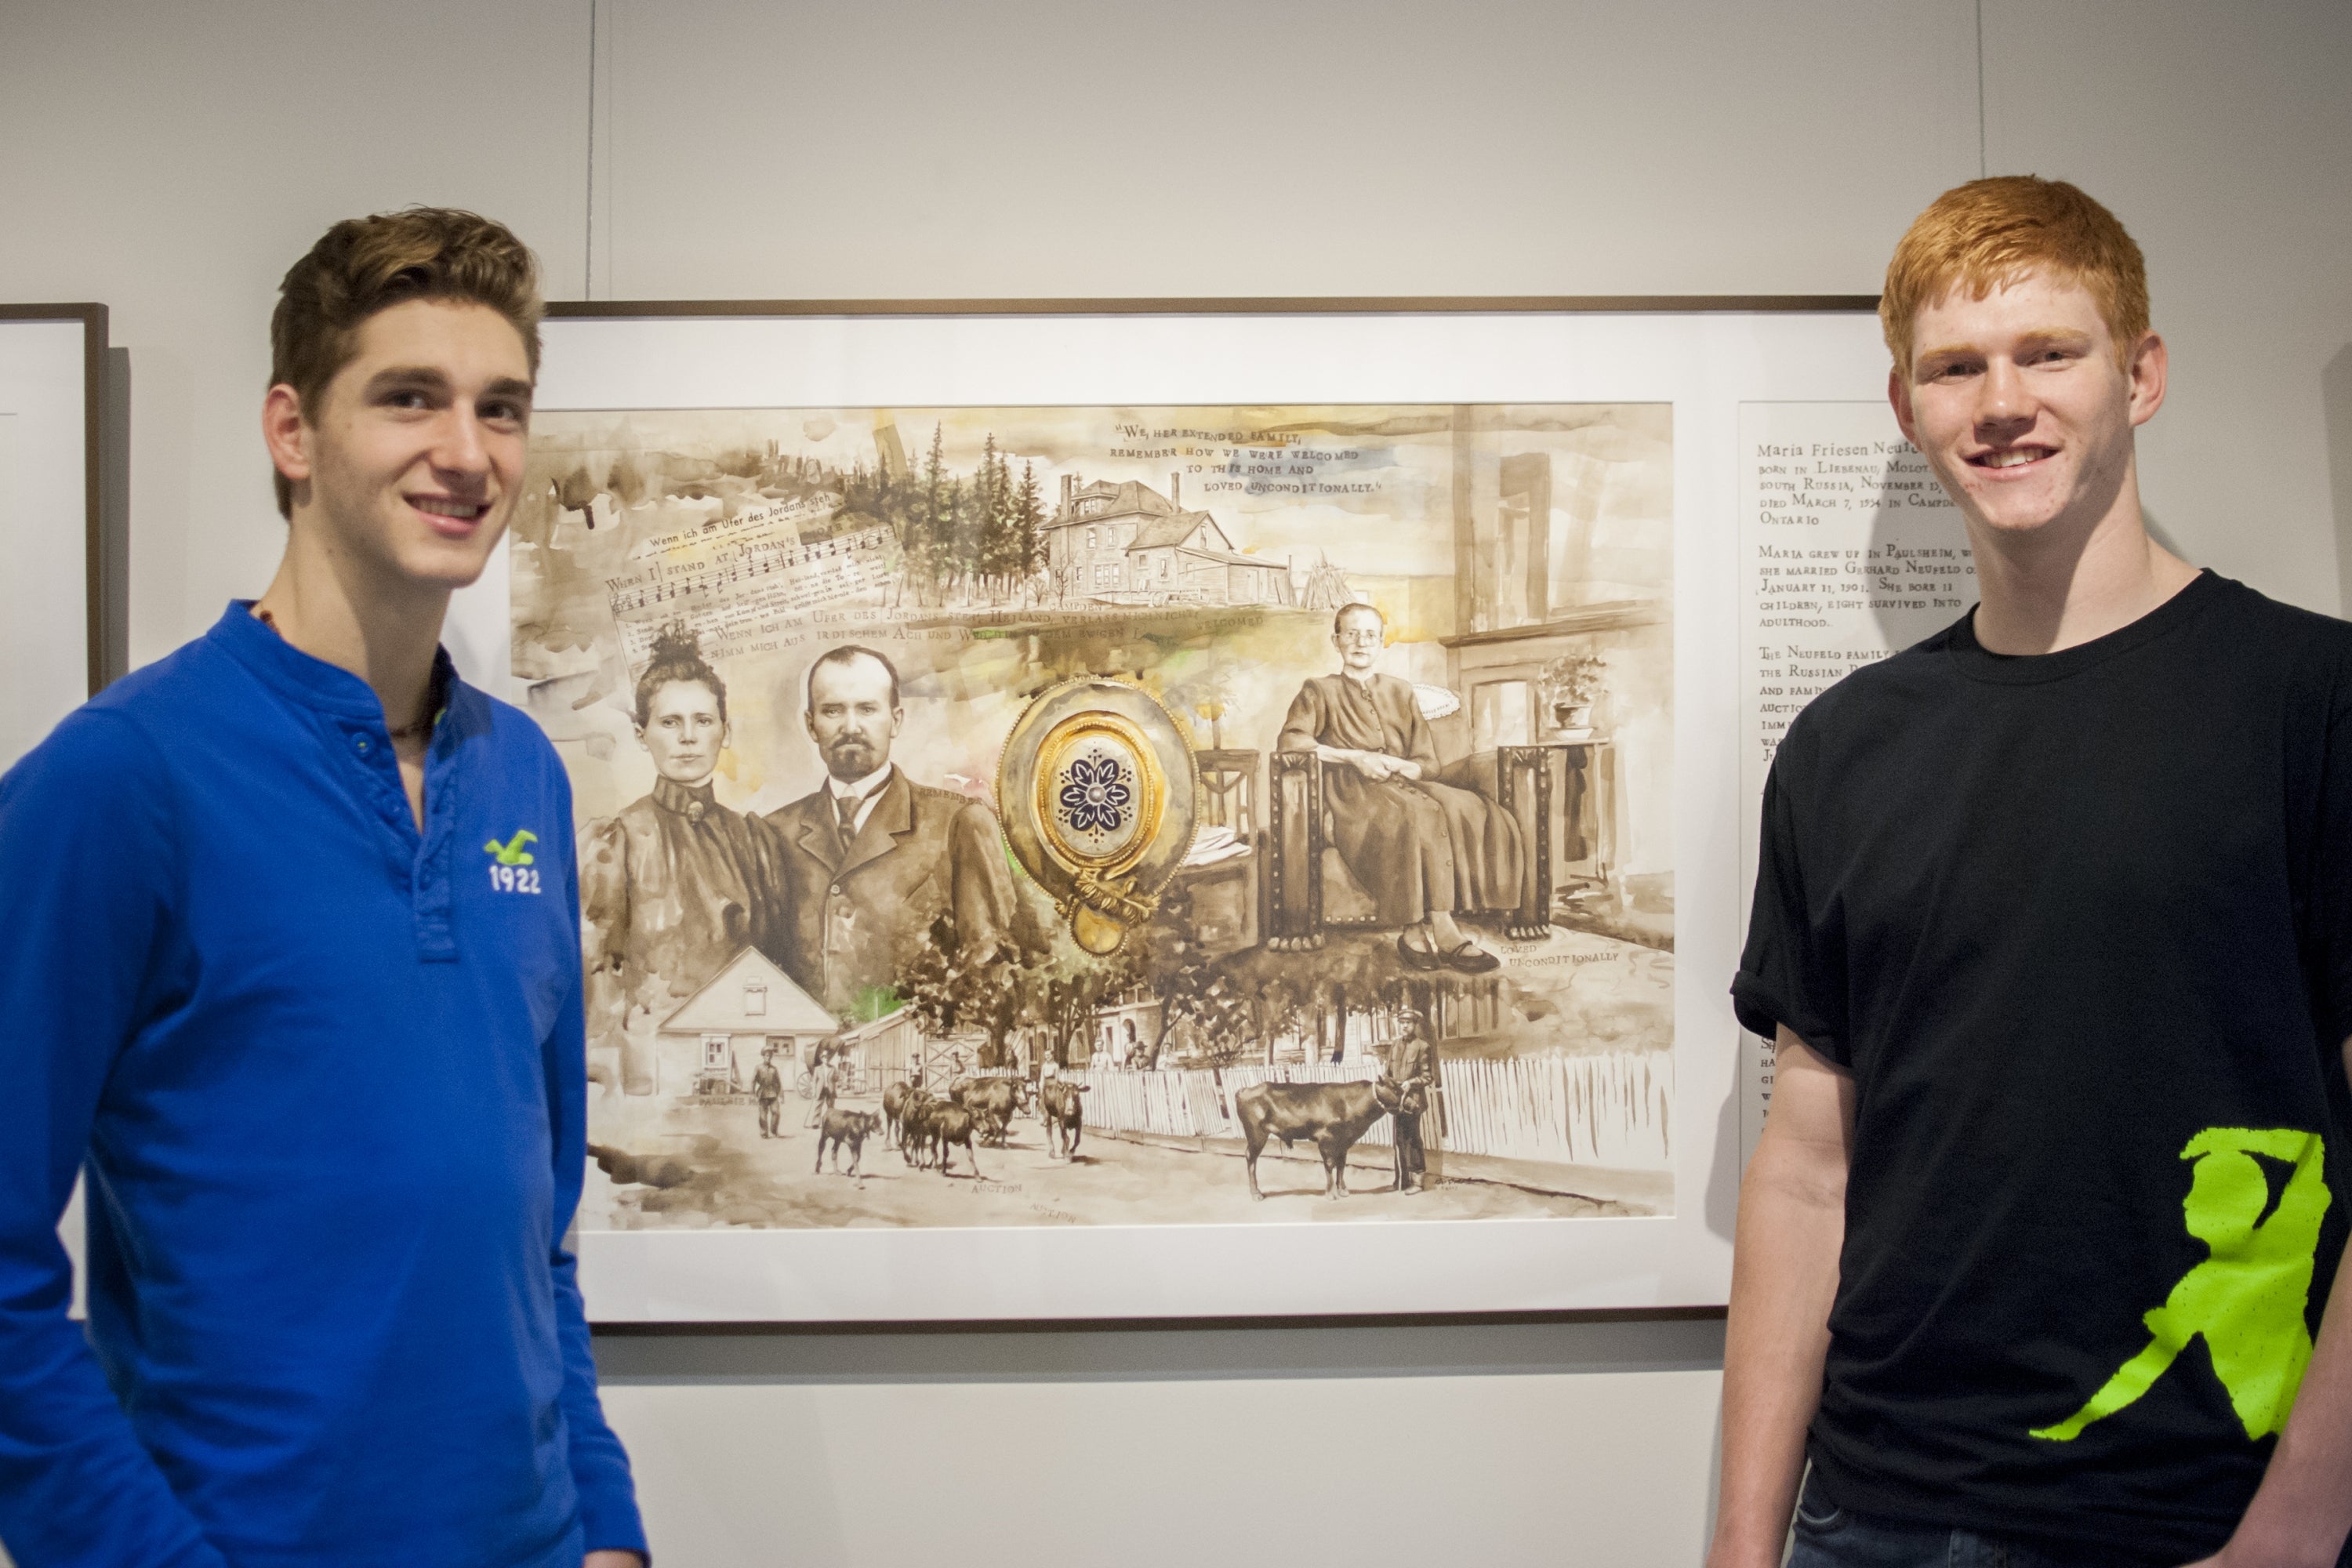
x: 1330, y: 1115
x: 894, y: 1107
x: 945, y: 1125
x: 845, y: 1128
x: 991, y: 1101
x: 1062, y: 1107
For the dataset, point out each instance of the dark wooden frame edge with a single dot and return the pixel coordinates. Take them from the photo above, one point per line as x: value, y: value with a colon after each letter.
x: 738, y: 1327
x: 93, y: 450
x: 1398, y: 305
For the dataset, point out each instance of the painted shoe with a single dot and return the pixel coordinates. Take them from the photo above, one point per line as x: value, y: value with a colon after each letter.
x: 1417, y: 958
x: 1471, y: 959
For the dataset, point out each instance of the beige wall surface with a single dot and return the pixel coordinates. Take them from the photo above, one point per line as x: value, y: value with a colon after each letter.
x: 172, y: 160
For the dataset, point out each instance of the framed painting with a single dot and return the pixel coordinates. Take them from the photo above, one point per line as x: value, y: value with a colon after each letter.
x: 57, y: 642
x: 1421, y: 1010
x: 52, y: 406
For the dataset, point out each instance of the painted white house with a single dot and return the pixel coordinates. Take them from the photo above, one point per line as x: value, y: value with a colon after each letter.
x: 1125, y: 1029
x: 712, y: 1043
x: 1128, y: 543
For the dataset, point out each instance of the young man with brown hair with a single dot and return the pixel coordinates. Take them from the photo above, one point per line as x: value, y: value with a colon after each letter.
x: 2052, y: 926
x: 295, y: 980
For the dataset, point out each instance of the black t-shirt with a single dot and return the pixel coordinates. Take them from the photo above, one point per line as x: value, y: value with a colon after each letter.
x: 2080, y: 925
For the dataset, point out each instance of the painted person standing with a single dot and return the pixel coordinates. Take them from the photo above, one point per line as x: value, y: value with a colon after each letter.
x: 299, y: 864
x: 2037, y: 1259
x: 767, y: 1091
x: 824, y: 1088
x: 676, y: 884
x: 1413, y: 1063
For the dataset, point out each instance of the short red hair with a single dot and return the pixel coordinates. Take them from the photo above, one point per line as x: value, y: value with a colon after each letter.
x: 1987, y: 233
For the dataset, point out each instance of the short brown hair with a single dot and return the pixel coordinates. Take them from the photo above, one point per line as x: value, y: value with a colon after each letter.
x: 363, y: 265
x: 1987, y: 233
x: 846, y: 654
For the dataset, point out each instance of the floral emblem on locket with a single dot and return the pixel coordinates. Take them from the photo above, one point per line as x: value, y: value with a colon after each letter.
x: 1095, y: 794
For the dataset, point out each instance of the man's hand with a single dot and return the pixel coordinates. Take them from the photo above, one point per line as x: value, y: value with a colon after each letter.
x: 2301, y: 1513
x: 612, y: 1559
x: 2233, y: 1556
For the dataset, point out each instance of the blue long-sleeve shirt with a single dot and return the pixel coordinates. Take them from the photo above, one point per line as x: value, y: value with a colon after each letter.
x: 327, y: 1074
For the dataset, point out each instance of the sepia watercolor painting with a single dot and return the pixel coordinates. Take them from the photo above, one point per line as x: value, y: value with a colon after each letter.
x: 1418, y: 961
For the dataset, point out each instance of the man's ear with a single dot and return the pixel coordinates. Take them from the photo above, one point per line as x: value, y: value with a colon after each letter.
x: 286, y: 434
x: 1898, y: 396
x: 2150, y: 361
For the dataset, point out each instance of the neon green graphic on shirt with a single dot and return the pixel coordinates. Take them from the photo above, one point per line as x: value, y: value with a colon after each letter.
x: 512, y: 854
x: 2248, y: 1298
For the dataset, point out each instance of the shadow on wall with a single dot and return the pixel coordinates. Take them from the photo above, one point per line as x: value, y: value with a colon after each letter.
x: 2336, y: 410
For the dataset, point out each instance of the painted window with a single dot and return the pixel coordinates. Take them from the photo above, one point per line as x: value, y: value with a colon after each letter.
x: 755, y: 998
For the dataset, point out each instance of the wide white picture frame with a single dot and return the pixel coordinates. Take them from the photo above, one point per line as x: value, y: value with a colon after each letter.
x: 1703, y: 357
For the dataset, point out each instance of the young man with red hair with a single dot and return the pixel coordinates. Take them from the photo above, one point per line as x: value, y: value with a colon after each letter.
x: 295, y: 981
x: 2052, y: 928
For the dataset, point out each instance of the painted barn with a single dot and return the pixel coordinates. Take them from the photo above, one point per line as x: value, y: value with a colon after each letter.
x: 894, y: 1048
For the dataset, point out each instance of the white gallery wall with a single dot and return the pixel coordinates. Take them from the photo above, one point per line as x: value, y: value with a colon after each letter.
x: 172, y: 160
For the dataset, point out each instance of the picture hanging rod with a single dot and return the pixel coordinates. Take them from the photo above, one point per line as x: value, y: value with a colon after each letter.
x: 1398, y: 305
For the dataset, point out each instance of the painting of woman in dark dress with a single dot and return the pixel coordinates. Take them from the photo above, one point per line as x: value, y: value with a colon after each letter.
x: 674, y: 884
x: 1425, y: 851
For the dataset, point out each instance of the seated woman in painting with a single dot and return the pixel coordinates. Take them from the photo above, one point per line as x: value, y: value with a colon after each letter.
x: 676, y: 884
x: 1424, y: 851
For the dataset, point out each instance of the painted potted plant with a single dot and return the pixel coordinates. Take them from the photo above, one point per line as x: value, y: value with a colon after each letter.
x: 1571, y: 683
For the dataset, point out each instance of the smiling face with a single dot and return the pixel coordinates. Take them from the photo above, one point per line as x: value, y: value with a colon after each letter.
x: 683, y: 731
x: 2020, y: 402
x: 1359, y: 637
x: 851, y: 718
x: 407, y: 468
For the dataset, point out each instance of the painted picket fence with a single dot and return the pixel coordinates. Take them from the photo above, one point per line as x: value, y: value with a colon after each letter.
x: 1610, y: 1109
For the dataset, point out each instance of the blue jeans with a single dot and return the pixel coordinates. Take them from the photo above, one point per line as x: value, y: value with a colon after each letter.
x: 1830, y: 1536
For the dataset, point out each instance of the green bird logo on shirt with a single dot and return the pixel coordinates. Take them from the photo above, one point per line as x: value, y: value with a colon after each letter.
x: 2250, y: 1296
x: 512, y: 853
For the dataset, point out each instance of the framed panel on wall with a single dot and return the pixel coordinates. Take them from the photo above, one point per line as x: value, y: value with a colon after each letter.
x: 52, y: 407
x: 1427, y: 1015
